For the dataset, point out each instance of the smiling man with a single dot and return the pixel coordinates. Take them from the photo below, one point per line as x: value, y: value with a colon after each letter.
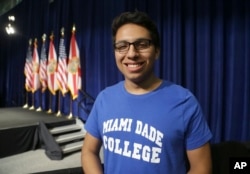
x: 145, y: 124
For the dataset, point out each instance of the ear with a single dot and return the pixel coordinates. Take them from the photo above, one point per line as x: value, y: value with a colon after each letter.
x: 157, y: 53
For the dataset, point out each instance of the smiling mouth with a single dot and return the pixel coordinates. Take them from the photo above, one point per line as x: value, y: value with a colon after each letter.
x: 134, y: 65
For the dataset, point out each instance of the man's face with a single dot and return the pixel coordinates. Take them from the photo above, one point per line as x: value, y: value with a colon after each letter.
x: 136, y: 64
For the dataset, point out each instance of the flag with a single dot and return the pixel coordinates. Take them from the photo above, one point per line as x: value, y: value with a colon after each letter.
x: 74, y: 68
x: 35, y: 66
x: 28, y: 68
x: 43, y: 67
x: 62, y: 68
x: 51, y: 68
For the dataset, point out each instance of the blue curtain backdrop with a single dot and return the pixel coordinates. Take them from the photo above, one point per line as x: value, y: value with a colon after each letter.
x: 205, y: 47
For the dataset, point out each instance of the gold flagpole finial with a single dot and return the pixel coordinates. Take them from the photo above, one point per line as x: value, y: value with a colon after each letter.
x: 35, y: 42
x: 51, y: 36
x: 44, y: 37
x: 74, y: 28
x: 62, y: 32
x: 30, y: 41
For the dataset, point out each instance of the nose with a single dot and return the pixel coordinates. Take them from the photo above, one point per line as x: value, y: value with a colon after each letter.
x: 132, y: 52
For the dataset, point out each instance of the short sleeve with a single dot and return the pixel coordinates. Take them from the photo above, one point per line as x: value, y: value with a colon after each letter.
x: 197, y: 132
x: 91, y: 125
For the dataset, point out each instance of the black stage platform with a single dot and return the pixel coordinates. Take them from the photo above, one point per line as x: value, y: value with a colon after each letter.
x: 19, y: 129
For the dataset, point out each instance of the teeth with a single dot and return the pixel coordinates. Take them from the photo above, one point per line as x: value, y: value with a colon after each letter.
x: 133, y: 65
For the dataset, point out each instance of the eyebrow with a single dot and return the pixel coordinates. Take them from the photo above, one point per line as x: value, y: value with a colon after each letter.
x: 133, y: 41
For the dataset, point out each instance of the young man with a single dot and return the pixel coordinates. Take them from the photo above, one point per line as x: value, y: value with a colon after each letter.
x: 145, y: 124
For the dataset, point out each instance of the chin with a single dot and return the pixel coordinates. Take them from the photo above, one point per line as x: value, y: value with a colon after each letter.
x: 134, y: 79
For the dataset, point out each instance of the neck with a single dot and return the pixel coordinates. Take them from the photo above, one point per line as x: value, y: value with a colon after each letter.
x: 142, y: 87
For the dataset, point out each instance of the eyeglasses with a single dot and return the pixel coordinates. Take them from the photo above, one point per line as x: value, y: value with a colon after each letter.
x: 139, y: 45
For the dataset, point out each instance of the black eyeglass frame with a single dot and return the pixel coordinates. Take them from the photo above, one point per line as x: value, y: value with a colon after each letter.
x: 136, y: 45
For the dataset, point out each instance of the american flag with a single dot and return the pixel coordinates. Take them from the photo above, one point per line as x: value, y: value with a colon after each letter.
x: 43, y: 67
x: 62, y: 68
x: 35, y: 64
x: 74, y: 68
x: 28, y: 69
x: 52, y: 67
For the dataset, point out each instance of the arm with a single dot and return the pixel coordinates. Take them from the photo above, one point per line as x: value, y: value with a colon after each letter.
x: 200, y: 160
x: 91, y: 162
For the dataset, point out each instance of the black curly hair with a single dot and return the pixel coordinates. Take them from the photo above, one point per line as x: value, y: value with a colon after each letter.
x: 138, y: 18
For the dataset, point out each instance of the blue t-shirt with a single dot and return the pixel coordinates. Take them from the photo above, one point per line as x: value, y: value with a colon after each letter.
x: 147, y: 133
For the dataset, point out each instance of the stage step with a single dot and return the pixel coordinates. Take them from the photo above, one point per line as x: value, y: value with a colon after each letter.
x: 64, y: 139
x: 72, y: 147
x: 63, y: 129
x: 70, y: 137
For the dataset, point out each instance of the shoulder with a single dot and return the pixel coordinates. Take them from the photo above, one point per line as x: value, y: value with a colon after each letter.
x: 175, y: 90
x: 110, y: 91
x: 180, y: 96
x: 113, y: 88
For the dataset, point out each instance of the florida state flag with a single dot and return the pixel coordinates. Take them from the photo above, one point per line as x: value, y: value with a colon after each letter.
x: 74, y: 67
x: 35, y: 64
x: 51, y: 67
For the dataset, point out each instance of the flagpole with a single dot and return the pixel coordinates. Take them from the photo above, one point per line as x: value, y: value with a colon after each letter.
x: 71, y: 70
x: 39, y: 109
x: 25, y: 106
x: 42, y: 75
x: 32, y: 107
x: 50, y: 110
x: 59, y: 108
x: 70, y: 116
x: 61, y: 87
x: 27, y: 71
x: 35, y: 69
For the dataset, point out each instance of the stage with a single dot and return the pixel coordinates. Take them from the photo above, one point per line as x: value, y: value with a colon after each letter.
x: 19, y: 129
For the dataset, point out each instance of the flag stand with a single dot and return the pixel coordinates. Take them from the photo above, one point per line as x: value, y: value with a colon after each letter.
x: 32, y: 107
x: 50, y: 110
x: 70, y: 116
x: 39, y: 109
x: 58, y: 114
x: 59, y: 108
x: 28, y: 73
x: 25, y: 106
x: 74, y: 69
